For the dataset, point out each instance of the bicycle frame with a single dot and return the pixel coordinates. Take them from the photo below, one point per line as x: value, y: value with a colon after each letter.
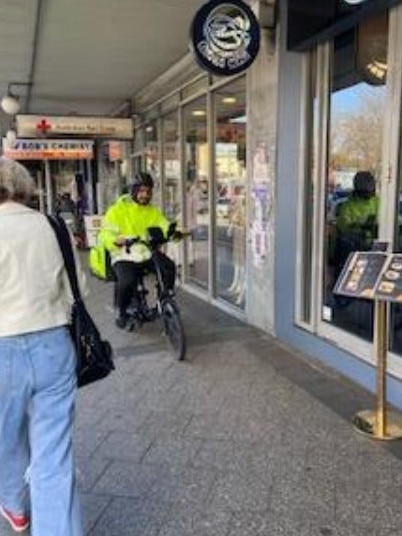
x: 166, y: 308
x: 142, y: 311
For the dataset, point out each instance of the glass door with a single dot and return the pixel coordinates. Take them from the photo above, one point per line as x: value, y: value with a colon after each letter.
x: 357, y: 130
x: 360, y: 173
x: 197, y: 214
x: 152, y: 159
x: 230, y: 197
x: 171, y: 167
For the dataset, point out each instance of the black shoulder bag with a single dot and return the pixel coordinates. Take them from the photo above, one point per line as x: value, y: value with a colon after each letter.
x: 94, y: 355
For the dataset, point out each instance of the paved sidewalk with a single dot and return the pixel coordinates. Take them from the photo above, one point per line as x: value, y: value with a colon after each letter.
x: 245, y: 438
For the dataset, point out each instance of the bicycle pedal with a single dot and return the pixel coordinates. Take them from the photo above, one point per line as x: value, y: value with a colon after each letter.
x: 132, y: 325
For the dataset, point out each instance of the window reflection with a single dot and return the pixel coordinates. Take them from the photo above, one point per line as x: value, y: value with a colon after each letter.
x: 357, y: 107
x: 197, y: 190
x: 230, y: 180
x: 171, y: 165
x: 151, y: 159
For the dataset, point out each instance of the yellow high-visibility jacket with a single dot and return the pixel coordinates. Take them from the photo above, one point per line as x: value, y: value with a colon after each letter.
x: 126, y: 218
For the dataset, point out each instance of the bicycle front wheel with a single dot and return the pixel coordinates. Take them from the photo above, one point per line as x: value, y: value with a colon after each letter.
x: 174, y: 329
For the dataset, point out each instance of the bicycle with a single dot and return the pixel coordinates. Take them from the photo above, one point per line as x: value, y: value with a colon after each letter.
x: 166, y: 308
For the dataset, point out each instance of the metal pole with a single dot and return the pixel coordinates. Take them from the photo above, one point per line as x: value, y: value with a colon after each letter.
x: 90, y: 188
x: 41, y: 192
x: 381, y: 353
x: 49, y: 189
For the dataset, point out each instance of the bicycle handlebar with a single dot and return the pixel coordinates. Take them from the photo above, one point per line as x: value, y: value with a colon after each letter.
x: 152, y: 244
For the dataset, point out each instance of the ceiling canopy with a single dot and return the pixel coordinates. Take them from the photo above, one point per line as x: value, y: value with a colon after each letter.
x: 88, y: 57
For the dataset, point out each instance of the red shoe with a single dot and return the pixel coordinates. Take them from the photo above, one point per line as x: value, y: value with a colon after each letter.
x: 18, y: 523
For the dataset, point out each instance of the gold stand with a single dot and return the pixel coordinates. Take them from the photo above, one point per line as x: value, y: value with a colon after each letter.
x: 380, y: 423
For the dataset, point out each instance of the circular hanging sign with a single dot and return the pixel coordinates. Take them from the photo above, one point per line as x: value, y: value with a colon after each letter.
x: 225, y: 37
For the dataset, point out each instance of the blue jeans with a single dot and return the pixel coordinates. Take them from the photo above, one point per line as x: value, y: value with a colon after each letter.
x: 37, y: 396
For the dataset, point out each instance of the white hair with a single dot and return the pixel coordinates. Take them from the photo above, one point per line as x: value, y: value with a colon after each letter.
x: 16, y: 183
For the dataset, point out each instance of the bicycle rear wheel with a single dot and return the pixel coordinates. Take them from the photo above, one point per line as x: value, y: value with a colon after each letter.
x: 174, y: 329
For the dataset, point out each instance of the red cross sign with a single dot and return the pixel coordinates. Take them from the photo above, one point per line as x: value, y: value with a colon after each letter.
x: 43, y: 126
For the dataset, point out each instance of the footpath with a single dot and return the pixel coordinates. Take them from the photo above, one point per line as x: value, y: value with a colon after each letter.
x: 244, y: 438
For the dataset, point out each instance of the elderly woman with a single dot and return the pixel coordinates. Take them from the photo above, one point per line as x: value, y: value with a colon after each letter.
x: 37, y: 368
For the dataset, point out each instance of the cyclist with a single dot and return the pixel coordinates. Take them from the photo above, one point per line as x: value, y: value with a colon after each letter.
x: 356, y: 220
x: 131, y: 216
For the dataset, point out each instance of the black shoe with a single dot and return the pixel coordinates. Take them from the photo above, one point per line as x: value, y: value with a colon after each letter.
x: 121, y: 321
x: 168, y: 293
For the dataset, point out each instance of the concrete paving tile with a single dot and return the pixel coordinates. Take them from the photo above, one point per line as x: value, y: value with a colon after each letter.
x: 127, y: 480
x: 388, y: 515
x: 131, y: 517
x: 293, y: 522
x: 214, y: 454
x: 312, y: 495
x: 189, y: 487
x: 175, y: 452
x: 200, y: 397
x: 209, y: 426
x: 190, y: 522
x: 233, y: 456
x: 255, y: 430
x: 87, y: 439
x: 250, y: 524
x: 124, y: 417
x: 237, y: 492
x: 165, y: 423
x: 89, y: 470
x: 124, y: 446
x: 92, y: 507
x: 162, y: 400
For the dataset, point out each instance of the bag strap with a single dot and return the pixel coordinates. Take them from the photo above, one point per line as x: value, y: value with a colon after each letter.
x: 63, y: 237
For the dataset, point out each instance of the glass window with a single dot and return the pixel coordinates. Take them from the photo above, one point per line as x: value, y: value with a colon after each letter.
x: 171, y: 167
x: 305, y: 279
x: 151, y: 158
x: 230, y: 193
x: 356, y: 122
x: 197, y: 189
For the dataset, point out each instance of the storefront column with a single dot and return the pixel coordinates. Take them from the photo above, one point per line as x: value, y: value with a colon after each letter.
x: 262, y: 90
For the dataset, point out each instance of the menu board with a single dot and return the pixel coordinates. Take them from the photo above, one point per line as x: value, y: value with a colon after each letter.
x: 390, y: 284
x: 361, y: 274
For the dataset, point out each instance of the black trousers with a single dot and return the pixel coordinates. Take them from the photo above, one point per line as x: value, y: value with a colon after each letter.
x: 128, y: 275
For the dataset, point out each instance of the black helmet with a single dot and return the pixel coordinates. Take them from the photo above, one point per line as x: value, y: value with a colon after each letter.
x: 142, y: 179
x: 364, y: 184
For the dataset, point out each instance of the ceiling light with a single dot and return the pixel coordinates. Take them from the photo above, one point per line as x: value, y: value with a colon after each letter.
x: 199, y: 113
x: 377, y: 72
x: 229, y: 100
x: 10, y: 105
x: 10, y: 102
x: 354, y: 2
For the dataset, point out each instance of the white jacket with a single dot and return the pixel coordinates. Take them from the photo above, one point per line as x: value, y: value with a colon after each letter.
x: 34, y: 290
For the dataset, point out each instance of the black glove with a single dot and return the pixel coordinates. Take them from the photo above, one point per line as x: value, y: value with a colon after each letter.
x: 172, y: 229
x: 177, y: 235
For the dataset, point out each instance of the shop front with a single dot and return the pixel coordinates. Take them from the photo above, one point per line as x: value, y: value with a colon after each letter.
x: 206, y: 131
x: 194, y: 145
x: 342, y: 78
x: 260, y: 166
